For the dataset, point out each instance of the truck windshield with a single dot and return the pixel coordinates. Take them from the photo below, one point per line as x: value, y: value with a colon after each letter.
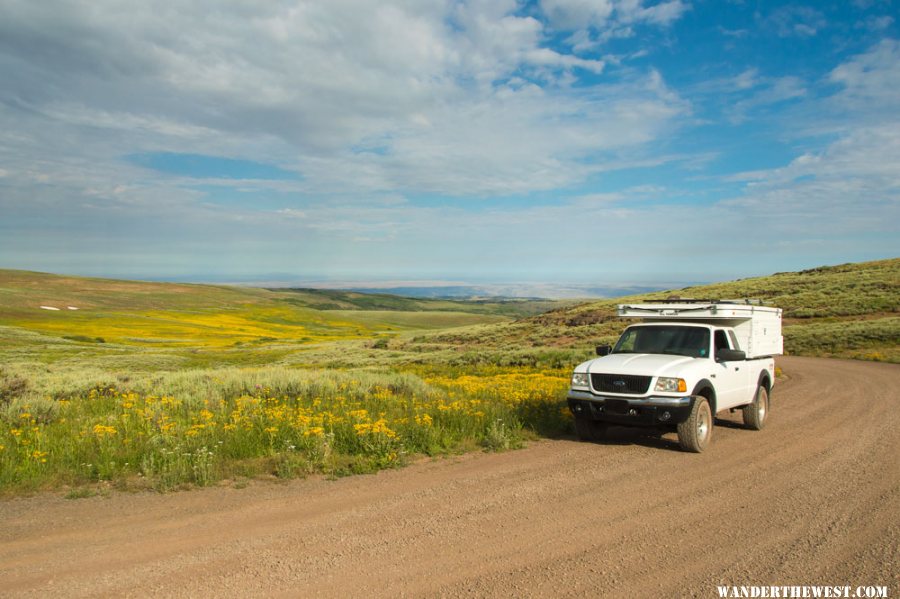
x: 661, y: 339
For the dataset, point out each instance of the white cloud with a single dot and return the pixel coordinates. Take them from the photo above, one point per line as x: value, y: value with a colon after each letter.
x: 663, y: 13
x: 881, y: 23
x: 796, y: 21
x: 744, y: 94
x: 852, y: 185
x: 447, y: 97
x: 513, y: 140
x: 870, y: 82
x: 594, y: 23
x: 746, y: 80
x: 573, y: 15
x: 768, y: 92
x: 866, y: 160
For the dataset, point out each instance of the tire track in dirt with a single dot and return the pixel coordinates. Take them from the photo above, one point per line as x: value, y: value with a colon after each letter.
x: 814, y: 498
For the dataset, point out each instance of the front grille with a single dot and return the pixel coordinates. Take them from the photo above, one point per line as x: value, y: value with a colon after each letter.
x: 620, y: 383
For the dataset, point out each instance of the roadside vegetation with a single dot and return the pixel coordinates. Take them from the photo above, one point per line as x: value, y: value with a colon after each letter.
x: 162, y: 386
x: 184, y: 428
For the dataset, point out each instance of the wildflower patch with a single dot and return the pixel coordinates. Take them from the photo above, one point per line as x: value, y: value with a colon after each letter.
x: 313, y: 421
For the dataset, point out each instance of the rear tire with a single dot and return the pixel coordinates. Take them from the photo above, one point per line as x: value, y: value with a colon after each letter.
x: 589, y: 430
x: 695, y: 433
x: 756, y: 414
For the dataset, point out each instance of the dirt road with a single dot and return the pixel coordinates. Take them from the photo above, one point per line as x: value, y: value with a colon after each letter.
x: 812, y: 499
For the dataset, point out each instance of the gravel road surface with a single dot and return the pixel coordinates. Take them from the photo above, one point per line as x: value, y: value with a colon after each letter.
x: 813, y: 499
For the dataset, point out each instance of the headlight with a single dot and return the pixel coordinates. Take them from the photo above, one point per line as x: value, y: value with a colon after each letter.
x: 580, y: 379
x: 670, y: 385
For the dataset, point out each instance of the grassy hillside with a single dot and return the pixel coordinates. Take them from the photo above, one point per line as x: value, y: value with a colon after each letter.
x: 208, y: 316
x: 849, y: 310
x: 329, y: 299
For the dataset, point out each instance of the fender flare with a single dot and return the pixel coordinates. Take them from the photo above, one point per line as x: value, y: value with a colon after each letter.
x: 765, y: 380
x: 703, y: 385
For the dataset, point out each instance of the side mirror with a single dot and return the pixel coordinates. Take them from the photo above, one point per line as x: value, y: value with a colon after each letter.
x: 604, y: 350
x: 730, y: 355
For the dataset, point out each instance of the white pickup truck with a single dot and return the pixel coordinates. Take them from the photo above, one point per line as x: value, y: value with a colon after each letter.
x: 685, y: 362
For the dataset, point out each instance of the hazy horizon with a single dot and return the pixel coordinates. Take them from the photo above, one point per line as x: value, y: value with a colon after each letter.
x: 460, y: 288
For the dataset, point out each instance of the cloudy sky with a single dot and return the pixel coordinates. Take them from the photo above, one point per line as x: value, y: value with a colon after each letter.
x: 584, y: 141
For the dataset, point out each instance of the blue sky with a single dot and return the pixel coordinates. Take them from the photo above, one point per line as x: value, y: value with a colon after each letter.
x: 558, y: 141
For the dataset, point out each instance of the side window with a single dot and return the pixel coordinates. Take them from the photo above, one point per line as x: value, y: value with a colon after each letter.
x: 734, y: 341
x: 720, y: 341
x: 626, y: 343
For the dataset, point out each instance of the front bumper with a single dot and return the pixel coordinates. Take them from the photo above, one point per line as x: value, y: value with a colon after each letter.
x: 644, y: 411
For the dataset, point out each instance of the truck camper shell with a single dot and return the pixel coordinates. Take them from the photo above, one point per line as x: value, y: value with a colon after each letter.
x: 757, y: 327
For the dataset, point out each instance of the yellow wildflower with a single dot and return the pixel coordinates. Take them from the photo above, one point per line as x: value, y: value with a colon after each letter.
x: 194, y: 430
x: 378, y: 427
x: 102, y: 430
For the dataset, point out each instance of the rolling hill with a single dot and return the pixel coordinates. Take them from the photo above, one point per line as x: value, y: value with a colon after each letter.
x: 850, y: 310
x: 332, y: 299
x: 187, y: 315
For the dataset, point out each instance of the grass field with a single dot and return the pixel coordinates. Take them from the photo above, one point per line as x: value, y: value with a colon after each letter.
x: 384, y: 321
x: 154, y: 385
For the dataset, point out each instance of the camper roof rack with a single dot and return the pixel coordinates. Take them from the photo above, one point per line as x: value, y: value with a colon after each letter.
x: 743, y: 302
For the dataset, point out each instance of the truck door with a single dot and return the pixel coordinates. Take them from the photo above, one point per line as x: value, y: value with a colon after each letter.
x: 730, y: 377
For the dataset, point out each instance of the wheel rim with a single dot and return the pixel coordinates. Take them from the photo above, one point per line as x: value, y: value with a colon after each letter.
x: 762, y: 405
x: 703, y: 423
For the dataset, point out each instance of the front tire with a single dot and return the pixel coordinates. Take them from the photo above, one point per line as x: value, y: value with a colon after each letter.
x: 589, y: 430
x: 756, y: 414
x: 695, y: 433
